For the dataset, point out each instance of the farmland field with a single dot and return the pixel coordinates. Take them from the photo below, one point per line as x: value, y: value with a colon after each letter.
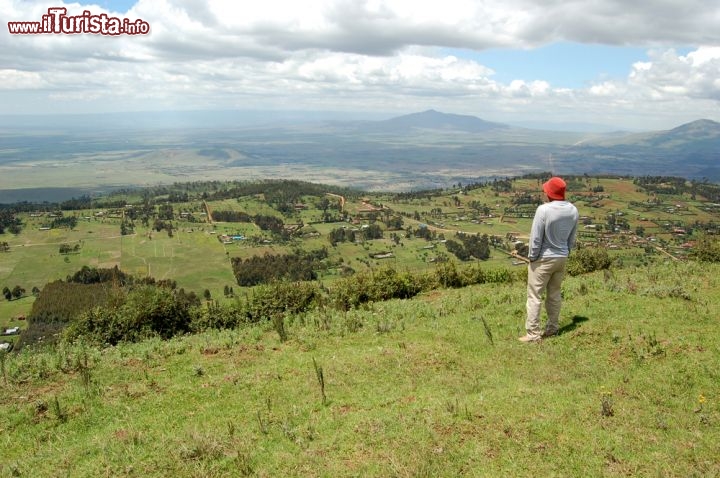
x: 195, y: 257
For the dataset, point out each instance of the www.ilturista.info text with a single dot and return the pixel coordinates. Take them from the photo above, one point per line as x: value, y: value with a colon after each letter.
x: 57, y: 22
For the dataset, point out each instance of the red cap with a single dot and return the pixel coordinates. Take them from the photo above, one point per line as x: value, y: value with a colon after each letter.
x: 555, y: 188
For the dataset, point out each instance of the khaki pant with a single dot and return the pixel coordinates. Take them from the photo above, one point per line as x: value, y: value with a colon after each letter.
x: 544, y: 275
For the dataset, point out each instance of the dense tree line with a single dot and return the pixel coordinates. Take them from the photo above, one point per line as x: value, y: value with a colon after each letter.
x: 178, y: 196
x: 160, y: 225
x: 67, y: 248
x: 366, y: 233
x: 60, y: 301
x: 424, y: 194
x: 69, y: 222
x: 9, y: 222
x: 372, y: 231
x: 139, y: 313
x: 526, y: 198
x: 127, y: 227
x: 298, y: 266
x: 74, y: 204
x: 470, y: 245
x: 501, y: 185
x: 341, y: 235
x: 276, y: 192
x: 165, y: 212
x: 105, y: 291
x: 394, y: 223
x: 269, y: 223
x: 14, y: 293
x: 93, y: 275
x: 707, y: 190
x: 676, y: 185
x: 662, y: 184
x: 423, y: 232
x: 231, y: 216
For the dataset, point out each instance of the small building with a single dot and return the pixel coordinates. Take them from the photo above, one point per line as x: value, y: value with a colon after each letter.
x: 11, y: 331
x: 383, y: 255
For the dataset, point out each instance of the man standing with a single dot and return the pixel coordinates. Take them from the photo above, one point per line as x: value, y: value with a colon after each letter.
x: 552, y: 237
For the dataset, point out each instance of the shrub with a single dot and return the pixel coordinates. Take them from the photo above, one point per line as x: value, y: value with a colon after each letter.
x: 148, y: 311
x: 216, y: 316
x: 587, y: 259
x: 448, y: 275
x: 267, y: 302
x: 707, y: 249
x: 373, y: 286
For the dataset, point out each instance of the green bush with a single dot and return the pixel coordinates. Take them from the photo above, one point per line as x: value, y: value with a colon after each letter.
x: 707, y: 249
x: 148, y: 311
x: 266, y: 302
x: 373, y: 286
x: 217, y: 316
x: 448, y: 275
x: 587, y: 259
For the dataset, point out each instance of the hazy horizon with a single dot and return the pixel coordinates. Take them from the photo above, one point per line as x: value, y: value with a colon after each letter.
x: 172, y: 119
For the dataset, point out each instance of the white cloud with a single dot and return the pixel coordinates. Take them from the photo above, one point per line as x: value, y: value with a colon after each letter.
x: 366, y: 55
x: 20, y: 80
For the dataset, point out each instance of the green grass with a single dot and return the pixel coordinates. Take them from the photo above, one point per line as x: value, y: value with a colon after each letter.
x: 414, y: 388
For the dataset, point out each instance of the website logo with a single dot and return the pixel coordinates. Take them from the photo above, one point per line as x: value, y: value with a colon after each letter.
x: 58, y: 22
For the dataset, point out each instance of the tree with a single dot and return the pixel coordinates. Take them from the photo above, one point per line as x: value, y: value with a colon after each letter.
x: 165, y: 212
x: 18, y: 292
x: 6, y: 292
x: 707, y: 249
x: 4, y: 246
x: 207, y: 294
x: 394, y: 223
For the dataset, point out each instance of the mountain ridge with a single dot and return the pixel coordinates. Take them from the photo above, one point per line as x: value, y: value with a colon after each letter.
x: 433, y: 119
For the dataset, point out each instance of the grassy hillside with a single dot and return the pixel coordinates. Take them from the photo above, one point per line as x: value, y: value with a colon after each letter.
x: 433, y: 386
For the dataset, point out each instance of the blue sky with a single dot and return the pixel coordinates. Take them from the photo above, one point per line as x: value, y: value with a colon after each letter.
x: 634, y: 65
x: 120, y: 6
x: 565, y: 65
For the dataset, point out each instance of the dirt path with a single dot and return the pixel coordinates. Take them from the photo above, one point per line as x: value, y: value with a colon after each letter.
x: 208, y: 212
x: 342, y: 201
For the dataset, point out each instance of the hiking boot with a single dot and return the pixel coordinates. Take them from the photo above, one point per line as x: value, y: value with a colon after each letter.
x: 547, y: 334
x: 529, y: 338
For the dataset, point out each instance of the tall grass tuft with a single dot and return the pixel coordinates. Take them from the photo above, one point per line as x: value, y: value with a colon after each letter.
x: 3, y: 370
x: 278, y: 322
x: 83, y: 367
x: 59, y: 413
x: 488, y: 332
x: 321, y: 381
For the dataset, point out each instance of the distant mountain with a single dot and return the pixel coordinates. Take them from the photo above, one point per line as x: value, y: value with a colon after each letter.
x: 436, y: 120
x: 690, y: 150
x: 700, y: 131
x: 570, y: 126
